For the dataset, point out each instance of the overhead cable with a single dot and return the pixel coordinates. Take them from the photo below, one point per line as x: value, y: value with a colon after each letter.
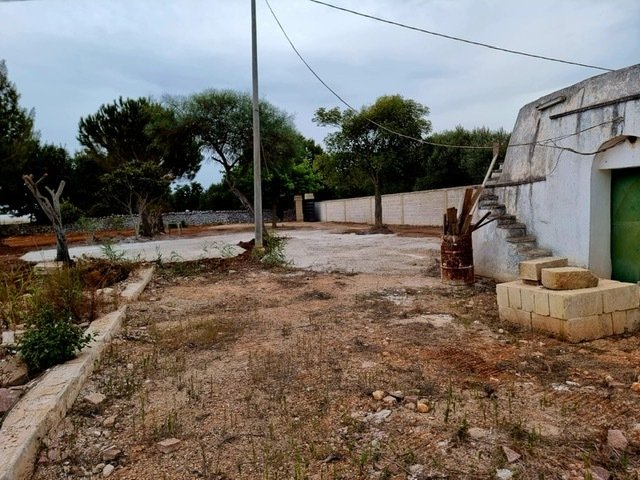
x: 343, y: 101
x: 458, y: 39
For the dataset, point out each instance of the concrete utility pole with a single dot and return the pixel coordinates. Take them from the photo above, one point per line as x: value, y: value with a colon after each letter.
x: 257, y: 180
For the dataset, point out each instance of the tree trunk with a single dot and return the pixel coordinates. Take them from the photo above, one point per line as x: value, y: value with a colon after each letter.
x: 378, y: 204
x: 244, y: 201
x: 62, y: 250
x: 145, y: 225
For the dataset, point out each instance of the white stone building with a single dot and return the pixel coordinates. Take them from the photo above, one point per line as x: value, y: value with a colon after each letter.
x: 570, y: 182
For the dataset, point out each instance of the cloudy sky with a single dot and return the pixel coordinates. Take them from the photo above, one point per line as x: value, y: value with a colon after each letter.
x: 68, y: 57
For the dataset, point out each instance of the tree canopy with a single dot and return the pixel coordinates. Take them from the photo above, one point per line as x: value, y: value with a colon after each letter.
x: 221, y: 123
x: 140, y: 148
x: 373, y: 142
x: 17, y: 143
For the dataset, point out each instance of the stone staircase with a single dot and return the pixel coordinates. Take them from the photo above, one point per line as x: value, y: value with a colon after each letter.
x: 522, y: 245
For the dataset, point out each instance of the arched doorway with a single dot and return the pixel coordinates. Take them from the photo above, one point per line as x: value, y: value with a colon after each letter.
x: 615, y: 211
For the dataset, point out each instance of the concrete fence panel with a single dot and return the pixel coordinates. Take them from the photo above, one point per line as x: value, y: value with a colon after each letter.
x: 411, y: 208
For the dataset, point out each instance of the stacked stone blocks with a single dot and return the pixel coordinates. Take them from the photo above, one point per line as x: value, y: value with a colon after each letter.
x: 575, y: 315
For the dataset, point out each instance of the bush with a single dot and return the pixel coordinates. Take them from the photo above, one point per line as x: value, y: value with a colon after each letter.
x: 273, y: 254
x: 52, y: 338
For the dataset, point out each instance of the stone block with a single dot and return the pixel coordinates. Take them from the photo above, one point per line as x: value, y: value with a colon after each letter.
x: 568, y: 278
x: 541, y: 302
x: 515, y: 317
x: 527, y: 299
x: 588, y: 328
x: 626, y: 321
x: 547, y: 324
x: 565, y: 304
x: 530, y: 270
x: 515, y: 301
x: 502, y: 293
x: 620, y: 296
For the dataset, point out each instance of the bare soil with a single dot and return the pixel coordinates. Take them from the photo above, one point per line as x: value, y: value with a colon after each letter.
x: 269, y: 374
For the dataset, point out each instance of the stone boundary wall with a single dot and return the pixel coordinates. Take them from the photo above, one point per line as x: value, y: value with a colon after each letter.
x: 425, y: 207
x: 117, y: 222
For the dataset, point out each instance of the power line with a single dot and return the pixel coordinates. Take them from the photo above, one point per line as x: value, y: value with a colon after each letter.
x: 548, y: 142
x: 326, y: 85
x: 458, y: 39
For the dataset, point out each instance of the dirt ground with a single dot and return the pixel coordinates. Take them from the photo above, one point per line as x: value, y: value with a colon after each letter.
x: 271, y: 374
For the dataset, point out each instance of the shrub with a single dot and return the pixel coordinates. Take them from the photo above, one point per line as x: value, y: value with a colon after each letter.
x: 273, y: 254
x: 51, y: 338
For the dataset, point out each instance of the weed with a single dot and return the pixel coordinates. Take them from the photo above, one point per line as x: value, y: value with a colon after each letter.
x: 273, y: 254
x: 462, y: 433
x: 110, y: 252
x: 169, y: 427
x: 51, y: 338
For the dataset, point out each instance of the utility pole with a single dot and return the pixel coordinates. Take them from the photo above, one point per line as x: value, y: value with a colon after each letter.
x: 257, y: 179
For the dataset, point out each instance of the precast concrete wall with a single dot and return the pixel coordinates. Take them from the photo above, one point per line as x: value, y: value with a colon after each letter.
x: 411, y: 208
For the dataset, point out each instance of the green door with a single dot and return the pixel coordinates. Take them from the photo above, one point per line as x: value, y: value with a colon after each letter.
x: 625, y: 224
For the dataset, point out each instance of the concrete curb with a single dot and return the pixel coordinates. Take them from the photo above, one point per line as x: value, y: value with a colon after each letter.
x: 45, y: 405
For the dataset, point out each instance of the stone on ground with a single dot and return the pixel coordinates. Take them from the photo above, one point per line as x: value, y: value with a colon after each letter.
x: 568, y: 278
x: 95, y: 398
x: 617, y: 440
x: 168, y: 445
x: 530, y: 270
x: 8, y: 398
x: 13, y: 372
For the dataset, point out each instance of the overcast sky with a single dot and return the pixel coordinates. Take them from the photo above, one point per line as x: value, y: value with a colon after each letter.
x: 68, y: 57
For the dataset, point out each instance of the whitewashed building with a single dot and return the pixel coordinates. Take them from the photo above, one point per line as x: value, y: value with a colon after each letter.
x: 570, y: 182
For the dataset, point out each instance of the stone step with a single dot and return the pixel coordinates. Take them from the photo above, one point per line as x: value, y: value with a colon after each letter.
x: 522, y: 239
x: 506, y: 219
x: 512, y: 230
x: 536, y: 253
x: 488, y: 197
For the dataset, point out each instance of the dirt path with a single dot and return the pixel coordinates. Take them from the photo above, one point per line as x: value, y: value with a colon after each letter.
x: 267, y: 374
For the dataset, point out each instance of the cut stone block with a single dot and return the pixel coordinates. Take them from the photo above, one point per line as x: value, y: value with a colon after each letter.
x: 568, y: 278
x: 626, y: 321
x: 548, y: 324
x: 530, y: 270
x: 541, y: 302
x: 565, y: 304
x: 588, y: 328
x: 619, y: 296
x: 502, y: 292
x: 527, y: 299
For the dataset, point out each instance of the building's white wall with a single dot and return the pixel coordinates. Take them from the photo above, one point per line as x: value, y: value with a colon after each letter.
x: 568, y: 211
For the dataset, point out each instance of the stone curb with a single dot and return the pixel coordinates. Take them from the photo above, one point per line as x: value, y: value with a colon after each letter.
x: 45, y: 405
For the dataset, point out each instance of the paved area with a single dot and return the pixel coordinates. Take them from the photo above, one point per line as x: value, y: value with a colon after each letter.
x: 322, y: 250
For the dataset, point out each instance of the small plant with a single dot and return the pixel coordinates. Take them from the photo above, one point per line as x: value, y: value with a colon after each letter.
x: 110, y: 252
x: 273, y: 254
x: 52, y: 338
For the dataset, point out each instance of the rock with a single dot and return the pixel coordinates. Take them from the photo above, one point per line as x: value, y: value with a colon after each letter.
x: 109, y: 454
x: 422, y: 407
x: 512, y: 455
x: 378, y: 395
x: 109, y: 422
x: 8, y: 398
x: 410, y: 406
x: 398, y: 394
x: 617, y: 440
x: 568, y: 278
x: 635, y: 387
x: 98, y: 468
x: 599, y: 473
x: 13, y: 372
x: 53, y: 454
x: 411, y: 399
x: 169, y: 445
x: 389, y: 400
x: 504, y: 474
x: 380, y: 416
x: 8, y: 337
x: 531, y: 270
x: 95, y: 398
x: 477, y: 433
x: 108, y: 470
